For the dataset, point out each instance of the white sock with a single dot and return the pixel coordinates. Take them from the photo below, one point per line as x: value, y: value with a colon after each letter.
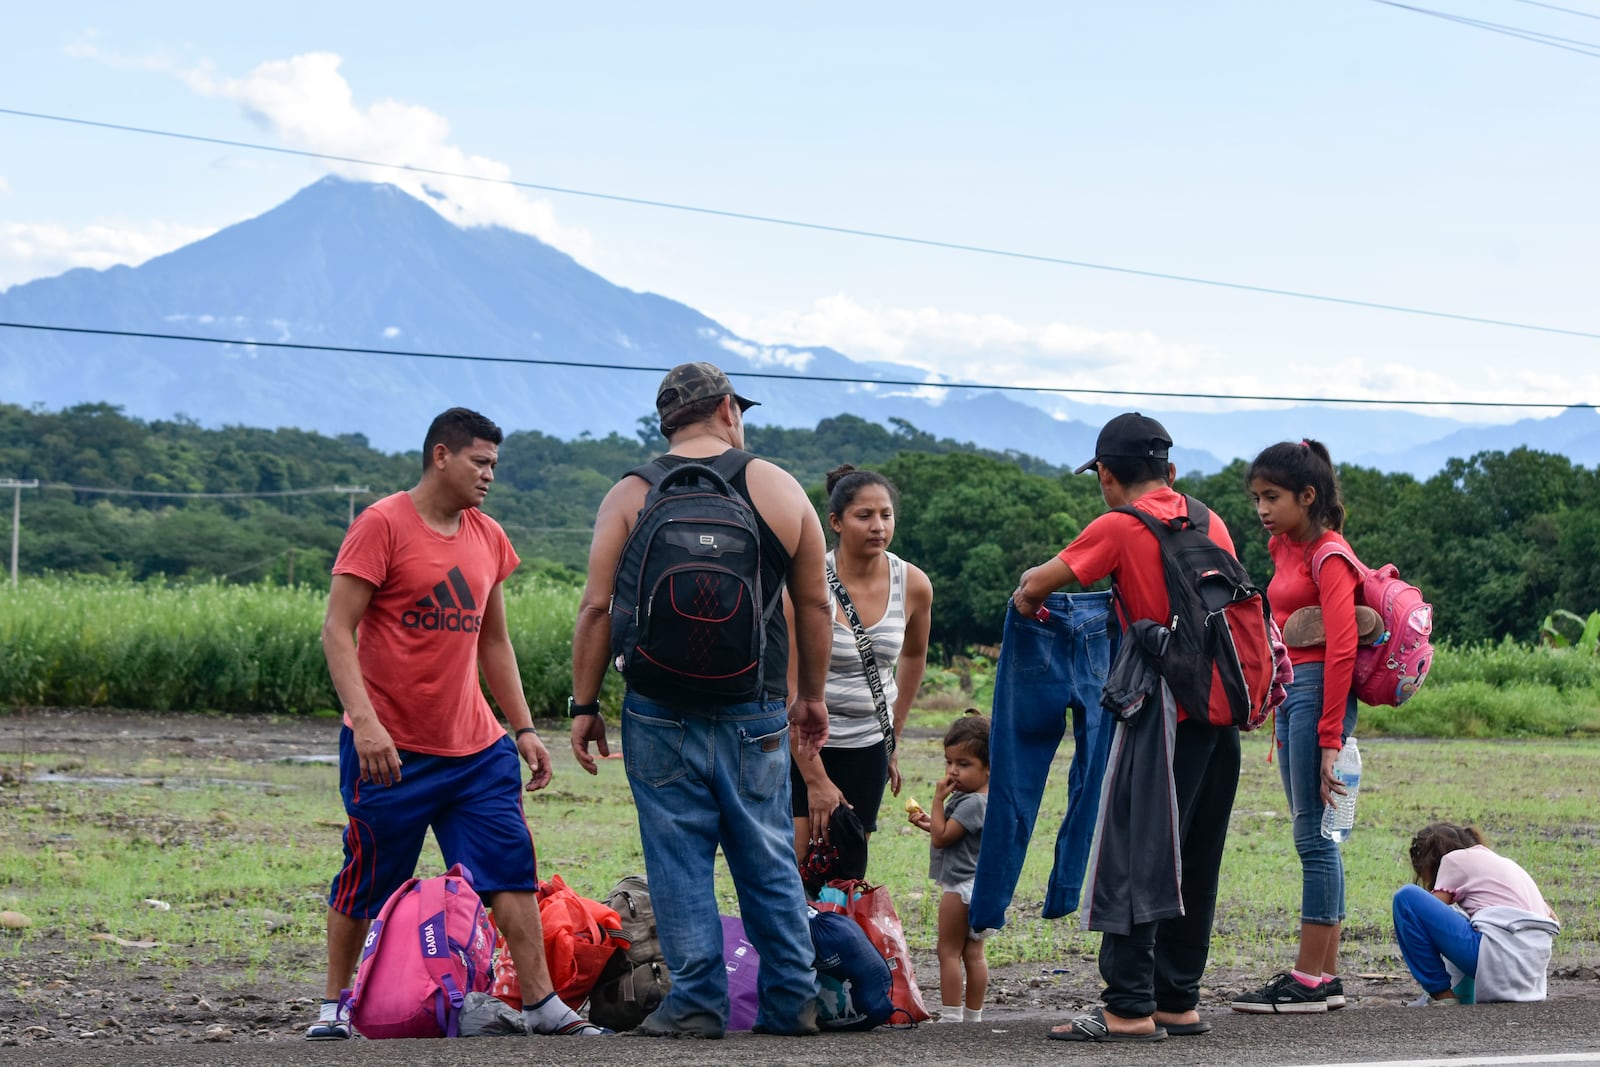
x: 950, y: 1013
x: 974, y: 1015
x: 329, y: 1012
x: 547, y: 1015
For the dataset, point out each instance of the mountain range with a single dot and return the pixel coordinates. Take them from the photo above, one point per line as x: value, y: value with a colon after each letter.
x: 351, y: 264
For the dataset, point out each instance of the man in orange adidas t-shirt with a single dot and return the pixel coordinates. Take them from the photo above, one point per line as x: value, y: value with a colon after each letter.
x: 415, y: 611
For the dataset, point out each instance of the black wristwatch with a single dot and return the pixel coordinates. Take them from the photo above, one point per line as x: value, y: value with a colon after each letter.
x: 574, y: 709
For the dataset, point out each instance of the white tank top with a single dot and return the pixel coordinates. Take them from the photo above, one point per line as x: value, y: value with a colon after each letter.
x: 852, y: 715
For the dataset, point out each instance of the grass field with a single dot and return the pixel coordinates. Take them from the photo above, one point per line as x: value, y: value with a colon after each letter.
x: 86, y: 642
x: 241, y: 852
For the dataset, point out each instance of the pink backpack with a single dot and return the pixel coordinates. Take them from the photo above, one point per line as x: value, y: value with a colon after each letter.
x: 1390, y: 671
x: 428, y: 948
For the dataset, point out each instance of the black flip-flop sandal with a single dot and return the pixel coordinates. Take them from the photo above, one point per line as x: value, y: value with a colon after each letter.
x: 1188, y: 1029
x: 1092, y: 1027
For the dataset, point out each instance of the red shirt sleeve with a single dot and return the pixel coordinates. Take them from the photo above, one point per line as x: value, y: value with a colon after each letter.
x: 1336, y: 591
x: 1096, y: 551
x: 367, y: 548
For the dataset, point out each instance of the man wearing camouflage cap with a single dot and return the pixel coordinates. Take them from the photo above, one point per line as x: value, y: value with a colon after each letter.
x: 705, y: 773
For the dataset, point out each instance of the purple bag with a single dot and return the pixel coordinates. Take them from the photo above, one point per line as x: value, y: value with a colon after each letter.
x: 743, y: 963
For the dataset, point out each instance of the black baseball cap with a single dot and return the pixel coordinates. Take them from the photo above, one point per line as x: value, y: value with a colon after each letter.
x: 1130, y: 436
x: 689, y: 382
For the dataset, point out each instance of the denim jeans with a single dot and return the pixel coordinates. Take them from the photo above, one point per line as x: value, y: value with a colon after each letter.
x: 1300, y: 765
x: 1047, y: 669
x: 701, y: 779
x: 1429, y: 932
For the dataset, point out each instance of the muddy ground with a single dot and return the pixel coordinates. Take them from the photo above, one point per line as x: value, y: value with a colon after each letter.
x: 46, y: 996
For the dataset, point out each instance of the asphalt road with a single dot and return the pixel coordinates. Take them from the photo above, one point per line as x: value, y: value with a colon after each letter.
x: 1549, y: 1032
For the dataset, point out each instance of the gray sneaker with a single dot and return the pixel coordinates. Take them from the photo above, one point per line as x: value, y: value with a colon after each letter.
x: 1335, y: 990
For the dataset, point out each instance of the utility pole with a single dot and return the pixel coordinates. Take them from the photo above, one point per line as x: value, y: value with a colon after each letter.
x: 16, y: 486
x: 352, y: 490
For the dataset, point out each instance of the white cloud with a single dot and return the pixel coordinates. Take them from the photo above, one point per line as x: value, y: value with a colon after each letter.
x: 35, y: 250
x: 5, y: 186
x: 87, y: 47
x: 764, y: 355
x: 986, y: 347
x: 307, y: 104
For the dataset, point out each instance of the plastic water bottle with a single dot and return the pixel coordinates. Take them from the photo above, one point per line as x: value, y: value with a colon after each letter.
x: 1339, y: 818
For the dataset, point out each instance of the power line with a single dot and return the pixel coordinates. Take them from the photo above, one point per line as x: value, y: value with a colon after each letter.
x: 1566, y: 10
x: 256, y: 564
x: 1566, y: 44
x: 848, y: 231
x: 320, y: 490
x: 798, y: 378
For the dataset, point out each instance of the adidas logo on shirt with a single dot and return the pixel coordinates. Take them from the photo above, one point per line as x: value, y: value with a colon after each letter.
x: 449, y: 608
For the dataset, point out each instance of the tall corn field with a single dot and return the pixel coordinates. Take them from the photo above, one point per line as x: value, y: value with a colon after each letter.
x: 86, y: 642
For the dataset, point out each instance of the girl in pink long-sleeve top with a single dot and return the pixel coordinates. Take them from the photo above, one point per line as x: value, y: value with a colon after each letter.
x: 1296, y: 493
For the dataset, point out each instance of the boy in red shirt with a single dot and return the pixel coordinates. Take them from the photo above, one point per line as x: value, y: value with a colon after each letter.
x: 1152, y: 973
x: 418, y: 581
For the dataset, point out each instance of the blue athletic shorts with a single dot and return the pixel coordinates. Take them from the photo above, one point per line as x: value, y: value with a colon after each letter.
x: 472, y: 803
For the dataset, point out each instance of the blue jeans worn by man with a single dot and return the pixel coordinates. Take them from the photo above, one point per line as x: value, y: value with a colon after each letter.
x: 1049, y: 668
x: 701, y: 779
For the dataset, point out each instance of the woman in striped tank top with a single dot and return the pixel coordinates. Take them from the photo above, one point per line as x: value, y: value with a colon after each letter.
x: 893, y: 600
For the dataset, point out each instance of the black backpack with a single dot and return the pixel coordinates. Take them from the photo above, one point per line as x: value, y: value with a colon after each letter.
x: 688, y: 612
x: 1219, y: 659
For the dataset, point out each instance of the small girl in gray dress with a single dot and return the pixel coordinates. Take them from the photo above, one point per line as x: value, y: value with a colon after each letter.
x: 956, y: 826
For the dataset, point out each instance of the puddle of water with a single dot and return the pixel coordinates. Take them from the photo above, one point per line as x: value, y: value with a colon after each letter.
x: 161, y: 783
x: 70, y: 779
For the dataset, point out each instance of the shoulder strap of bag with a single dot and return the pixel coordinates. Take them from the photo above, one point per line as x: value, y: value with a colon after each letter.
x: 869, y: 661
x: 650, y: 473
x: 440, y: 962
x: 1327, y: 552
x: 1199, y: 514
x: 1158, y: 529
x: 728, y: 464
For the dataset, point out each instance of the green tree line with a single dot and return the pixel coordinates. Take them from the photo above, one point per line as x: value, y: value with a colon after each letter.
x: 1497, y: 541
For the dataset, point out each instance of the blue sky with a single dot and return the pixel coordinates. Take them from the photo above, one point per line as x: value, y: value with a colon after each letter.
x: 1340, y: 147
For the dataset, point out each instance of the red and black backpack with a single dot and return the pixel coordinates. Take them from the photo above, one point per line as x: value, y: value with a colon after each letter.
x: 1219, y: 657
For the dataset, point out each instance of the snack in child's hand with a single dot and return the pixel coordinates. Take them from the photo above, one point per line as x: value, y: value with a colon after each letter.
x: 912, y: 807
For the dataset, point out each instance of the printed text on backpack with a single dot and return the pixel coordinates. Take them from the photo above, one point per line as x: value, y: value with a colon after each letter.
x: 688, y: 611
x: 428, y: 948
x: 1219, y: 659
